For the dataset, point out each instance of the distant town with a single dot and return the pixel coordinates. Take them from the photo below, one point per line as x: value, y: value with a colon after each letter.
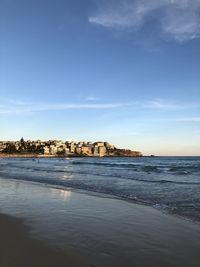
x: 56, y: 148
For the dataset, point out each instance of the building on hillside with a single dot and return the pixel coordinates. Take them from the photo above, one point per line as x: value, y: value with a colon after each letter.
x: 52, y: 149
x: 78, y: 150
x: 95, y: 151
x: 46, y: 150
x: 102, y: 151
x: 86, y: 149
x: 72, y: 147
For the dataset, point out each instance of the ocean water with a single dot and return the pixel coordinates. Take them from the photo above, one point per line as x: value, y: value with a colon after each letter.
x: 171, y: 184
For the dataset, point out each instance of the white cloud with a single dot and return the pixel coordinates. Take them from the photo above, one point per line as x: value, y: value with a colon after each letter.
x: 92, y: 98
x: 162, y: 104
x: 20, y: 107
x: 179, y: 19
x: 189, y: 119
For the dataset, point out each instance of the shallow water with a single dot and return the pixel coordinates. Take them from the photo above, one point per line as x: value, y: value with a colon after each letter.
x: 171, y: 184
x: 106, y: 232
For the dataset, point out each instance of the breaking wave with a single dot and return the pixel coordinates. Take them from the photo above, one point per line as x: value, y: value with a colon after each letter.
x: 165, y: 183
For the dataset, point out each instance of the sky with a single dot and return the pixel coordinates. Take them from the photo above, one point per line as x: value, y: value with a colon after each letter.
x: 122, y: 71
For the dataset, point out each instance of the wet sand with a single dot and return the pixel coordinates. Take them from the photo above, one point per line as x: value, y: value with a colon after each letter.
x: 65, y: 228
x: 18, y: 249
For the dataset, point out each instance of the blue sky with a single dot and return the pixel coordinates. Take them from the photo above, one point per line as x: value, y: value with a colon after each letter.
x: 126, y: 72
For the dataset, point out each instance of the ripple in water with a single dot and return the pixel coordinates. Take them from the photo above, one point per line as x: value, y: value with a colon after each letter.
x: 169, y: 183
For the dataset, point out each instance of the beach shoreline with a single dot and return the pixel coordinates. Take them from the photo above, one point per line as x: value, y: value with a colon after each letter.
x: 84, y: 230
x: 34, y: 155
x: 28, y: 155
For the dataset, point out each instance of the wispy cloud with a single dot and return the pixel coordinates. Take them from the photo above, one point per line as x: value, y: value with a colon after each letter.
x: 20, y: 107
x: 161, y: 104
x: 92, y: 98
x: 189, y: 119
x: 179, y: 19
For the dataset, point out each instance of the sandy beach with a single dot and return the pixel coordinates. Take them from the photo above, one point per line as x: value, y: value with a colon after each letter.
x: 18, y: 249
x: 57, y: 227
x: 26, y: 155
x: 100, y: 133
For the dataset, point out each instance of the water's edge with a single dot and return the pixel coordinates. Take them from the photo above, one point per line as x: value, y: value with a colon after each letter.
x: 168, y: 184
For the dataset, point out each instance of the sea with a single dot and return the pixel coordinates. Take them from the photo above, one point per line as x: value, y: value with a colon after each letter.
x: 170, y: 184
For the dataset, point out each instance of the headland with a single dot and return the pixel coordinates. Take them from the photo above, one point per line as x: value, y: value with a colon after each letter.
x: 58, y: 148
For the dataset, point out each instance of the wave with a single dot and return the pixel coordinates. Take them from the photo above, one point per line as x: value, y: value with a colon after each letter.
x: 93, y: 186
x: 106, y: 164
x: 110, y: 167
x: 170, y: 185
x: 77, y: 185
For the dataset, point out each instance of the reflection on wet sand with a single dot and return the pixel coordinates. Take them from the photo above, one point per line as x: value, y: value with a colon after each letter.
x: 108, y: 232
x: 65, y: 194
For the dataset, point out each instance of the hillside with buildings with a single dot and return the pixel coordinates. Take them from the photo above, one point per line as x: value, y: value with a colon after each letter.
x: 62, y: 148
